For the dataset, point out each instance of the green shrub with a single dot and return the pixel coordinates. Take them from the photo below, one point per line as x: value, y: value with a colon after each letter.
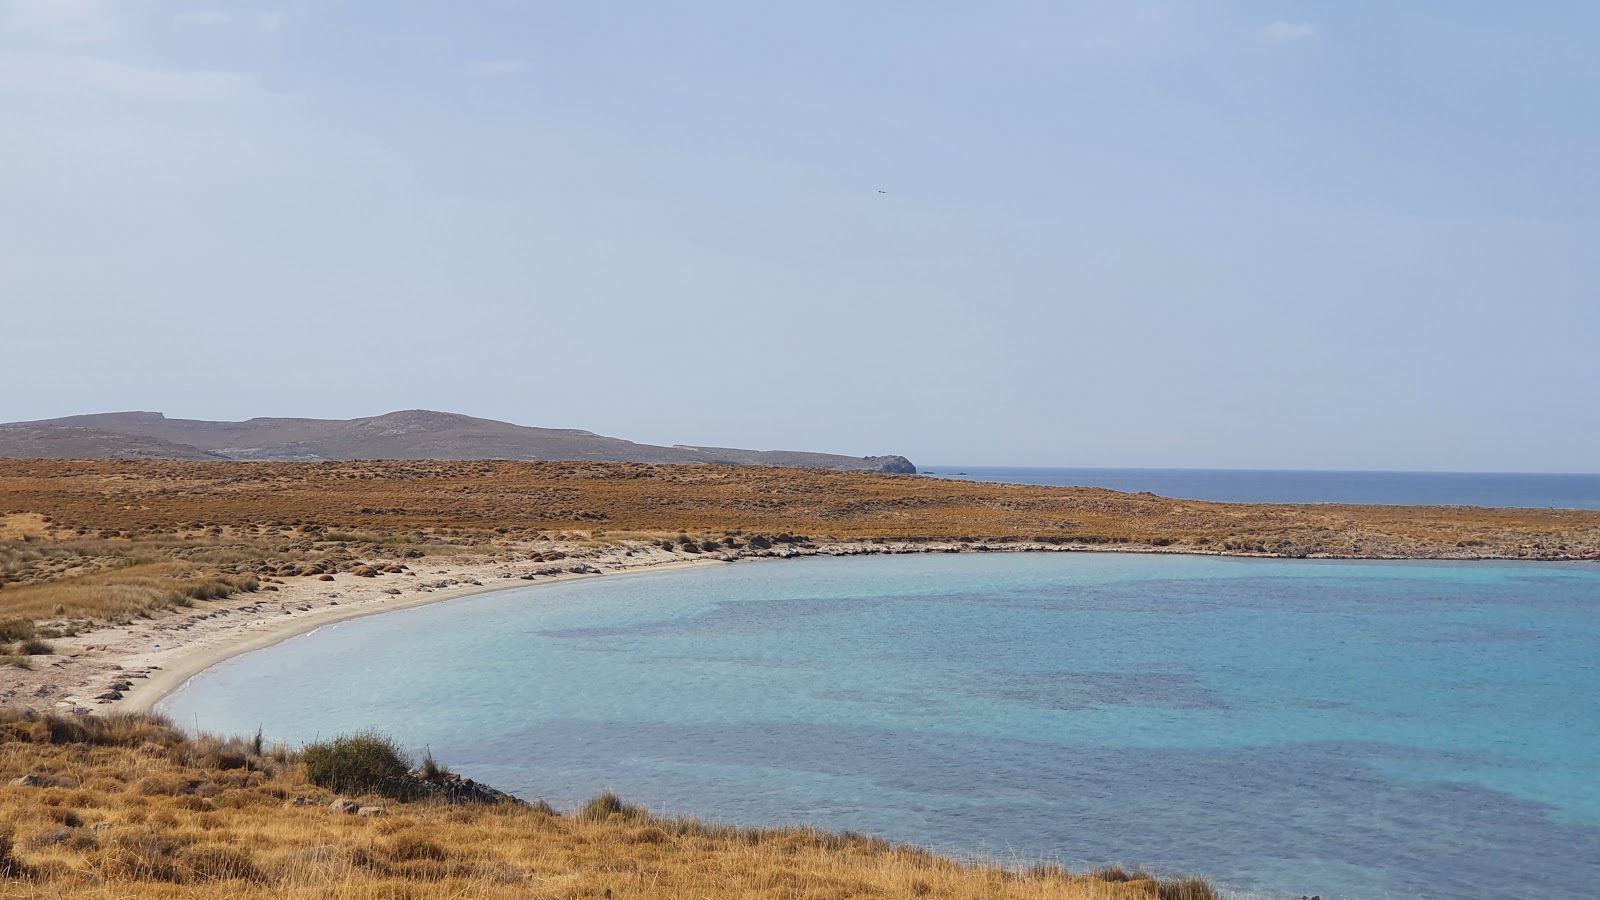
x: 603, y: 807
x: 16, y: 630
x: 363, y: 763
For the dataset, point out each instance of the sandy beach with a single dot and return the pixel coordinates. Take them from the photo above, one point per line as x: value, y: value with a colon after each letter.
x: 132, y: 667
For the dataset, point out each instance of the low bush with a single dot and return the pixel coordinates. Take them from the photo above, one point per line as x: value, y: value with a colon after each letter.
x: 607, y: 805
x: 363, y: 763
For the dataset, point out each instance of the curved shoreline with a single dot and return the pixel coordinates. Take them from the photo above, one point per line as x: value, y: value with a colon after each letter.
x: 150, y: 692
x: 133, y: 667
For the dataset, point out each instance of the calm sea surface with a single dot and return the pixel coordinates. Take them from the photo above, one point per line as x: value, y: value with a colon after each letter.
x: 1287, y: 727
x: 1275, y: 486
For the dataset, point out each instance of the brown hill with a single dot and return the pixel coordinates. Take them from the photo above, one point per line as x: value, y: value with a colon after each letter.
x: 409, y: 434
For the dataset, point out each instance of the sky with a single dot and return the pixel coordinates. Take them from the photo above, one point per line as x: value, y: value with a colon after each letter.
x: 1340, y: 235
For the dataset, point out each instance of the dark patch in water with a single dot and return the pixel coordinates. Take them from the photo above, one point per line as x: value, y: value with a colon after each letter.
x: 729, y: 617
x: 1479, y: 634
x: 1073, y: 691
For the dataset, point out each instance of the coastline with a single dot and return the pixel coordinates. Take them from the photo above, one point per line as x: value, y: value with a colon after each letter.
x: 133, y: 667
x: 163, y: 683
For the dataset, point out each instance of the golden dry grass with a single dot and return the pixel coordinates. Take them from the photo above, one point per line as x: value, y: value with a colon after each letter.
x: 131, y: 808
x: 487, y: 499
x: 59, y: 573
x: 109, y: 540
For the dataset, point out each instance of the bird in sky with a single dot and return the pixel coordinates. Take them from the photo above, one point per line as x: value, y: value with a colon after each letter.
x: 883, y: 192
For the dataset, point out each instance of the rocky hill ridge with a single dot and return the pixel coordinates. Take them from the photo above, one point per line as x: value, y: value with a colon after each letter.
x: 405, y: 434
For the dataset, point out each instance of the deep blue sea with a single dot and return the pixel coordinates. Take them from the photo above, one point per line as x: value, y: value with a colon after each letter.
x: 1284, y: 486
x: 1286, y: 727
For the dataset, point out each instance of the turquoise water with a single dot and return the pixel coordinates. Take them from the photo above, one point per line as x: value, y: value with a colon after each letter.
x: 1517, y: 489
x: 1287, y: 727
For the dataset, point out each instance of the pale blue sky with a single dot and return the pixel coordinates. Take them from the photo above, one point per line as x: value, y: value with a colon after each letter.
x: 1234, y: 234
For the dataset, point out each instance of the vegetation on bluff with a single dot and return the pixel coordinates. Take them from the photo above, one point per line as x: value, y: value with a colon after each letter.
x: 108, y: 541
x: 129, y: 806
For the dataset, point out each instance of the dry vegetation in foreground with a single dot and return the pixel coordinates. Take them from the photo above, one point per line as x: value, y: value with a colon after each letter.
x: 128, y: 806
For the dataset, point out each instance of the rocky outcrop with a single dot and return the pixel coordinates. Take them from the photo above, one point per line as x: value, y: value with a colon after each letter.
x: 448, y: 787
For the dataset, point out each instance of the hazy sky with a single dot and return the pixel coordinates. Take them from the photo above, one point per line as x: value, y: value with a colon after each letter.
x: 1239, y: 234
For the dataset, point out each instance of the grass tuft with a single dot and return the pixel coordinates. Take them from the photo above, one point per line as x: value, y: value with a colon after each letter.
x: 35, y: 647
x: 608, y: 806
x: 1188, y: 888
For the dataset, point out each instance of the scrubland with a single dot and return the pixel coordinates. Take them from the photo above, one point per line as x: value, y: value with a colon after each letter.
x: 489, y: 501
x: 109, y: 539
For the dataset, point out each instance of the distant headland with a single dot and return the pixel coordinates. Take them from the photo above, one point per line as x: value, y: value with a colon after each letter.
x: 407, y: 434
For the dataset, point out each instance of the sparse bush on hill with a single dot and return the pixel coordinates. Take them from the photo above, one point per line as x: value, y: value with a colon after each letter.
x: 362, y: 763
x: 607, y: 805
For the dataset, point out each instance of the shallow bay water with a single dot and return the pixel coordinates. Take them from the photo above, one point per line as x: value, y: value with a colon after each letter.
x: 1364, y: 729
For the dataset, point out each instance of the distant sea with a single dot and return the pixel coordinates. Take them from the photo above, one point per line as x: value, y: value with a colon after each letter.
x: 1510, y: 489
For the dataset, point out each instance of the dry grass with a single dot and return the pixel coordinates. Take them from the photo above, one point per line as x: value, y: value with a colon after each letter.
x: 108, y: 541
x: 397, y: 501
x: 126, y: 806
x: 61, y: 574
